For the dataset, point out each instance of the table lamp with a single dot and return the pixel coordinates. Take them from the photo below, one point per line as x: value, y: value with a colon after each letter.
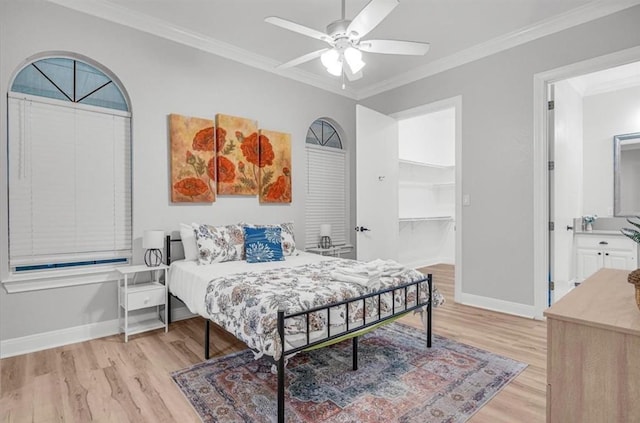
x: 325, y: 236
x: 153, y: 241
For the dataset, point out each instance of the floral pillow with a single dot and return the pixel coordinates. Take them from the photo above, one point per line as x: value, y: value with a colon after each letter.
x: 236, y: 239
x: 263, y: 244
x: 217, y: 244
x: 288, y: 239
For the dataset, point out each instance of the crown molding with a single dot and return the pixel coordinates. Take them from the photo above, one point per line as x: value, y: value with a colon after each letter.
x: 161, y: 28
x: 580, y: 15
x: 124, y: 16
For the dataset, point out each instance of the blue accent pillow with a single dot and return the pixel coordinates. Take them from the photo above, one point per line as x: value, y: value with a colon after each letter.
x: 263, y: 244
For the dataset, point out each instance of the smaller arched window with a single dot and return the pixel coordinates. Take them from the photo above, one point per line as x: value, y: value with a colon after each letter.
x: 326, y: 184
x: 69, y: 80
x: 323, y: 133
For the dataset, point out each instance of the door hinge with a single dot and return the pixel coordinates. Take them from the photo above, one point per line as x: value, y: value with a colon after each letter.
x: 552, y: 285
x: 552, y: 226
x: 551, y: 105
x: 552, y: 165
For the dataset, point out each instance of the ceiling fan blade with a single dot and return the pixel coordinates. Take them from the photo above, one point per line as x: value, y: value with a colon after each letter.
x: 300, y: 29
x: 369, y: 17
x: 412, y: 48
x: 302, y: 59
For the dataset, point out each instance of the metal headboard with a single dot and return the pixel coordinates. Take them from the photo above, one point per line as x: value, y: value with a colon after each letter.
x: 167, y: 248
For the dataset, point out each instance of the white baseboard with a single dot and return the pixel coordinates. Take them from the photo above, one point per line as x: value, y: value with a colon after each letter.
x: 502, y: 306
x: 60, y: 337
x: 57, y: 338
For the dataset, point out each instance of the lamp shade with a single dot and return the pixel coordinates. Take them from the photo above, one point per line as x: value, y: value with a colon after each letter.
x: 325, y: 230
x: 332, y: 61
x: 153, y: 240
x: 330, y: 58
x: 354, y: 59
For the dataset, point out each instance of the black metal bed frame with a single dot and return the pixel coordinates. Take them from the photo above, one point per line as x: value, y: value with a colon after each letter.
x: 354, y: 332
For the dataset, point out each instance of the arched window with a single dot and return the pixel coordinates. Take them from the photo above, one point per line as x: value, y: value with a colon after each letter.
x: 323, y: 133
x: 327, y: 184
x: 69, y: 80
x: 69, y: 161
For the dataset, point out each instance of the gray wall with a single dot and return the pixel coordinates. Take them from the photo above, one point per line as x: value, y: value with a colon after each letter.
x: 497, y: 146
x: 161, y: 77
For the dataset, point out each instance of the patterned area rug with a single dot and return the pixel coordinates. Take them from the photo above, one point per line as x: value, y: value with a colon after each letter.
x: 399, y: 380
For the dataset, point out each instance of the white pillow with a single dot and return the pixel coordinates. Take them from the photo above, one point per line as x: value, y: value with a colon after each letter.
x: 188, y: 237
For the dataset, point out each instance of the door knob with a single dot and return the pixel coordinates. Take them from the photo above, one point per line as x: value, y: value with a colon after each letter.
x: 361, y: 229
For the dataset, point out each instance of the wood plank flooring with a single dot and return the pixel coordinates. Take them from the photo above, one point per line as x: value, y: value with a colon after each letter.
x: 107, y: 380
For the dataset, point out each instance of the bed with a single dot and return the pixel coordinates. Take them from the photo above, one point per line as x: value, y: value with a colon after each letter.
x: 281, y: 308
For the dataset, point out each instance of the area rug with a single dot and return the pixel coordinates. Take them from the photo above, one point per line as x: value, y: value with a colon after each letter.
x: 399, y: 379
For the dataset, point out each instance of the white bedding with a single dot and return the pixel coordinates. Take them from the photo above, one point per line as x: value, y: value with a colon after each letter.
x: 188, y: 280
x: 244, y: 298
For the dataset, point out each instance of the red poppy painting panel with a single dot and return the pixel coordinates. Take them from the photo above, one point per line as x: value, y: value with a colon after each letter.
x: 275, y: 166
x: 192, y: 159
x: 237, y: 155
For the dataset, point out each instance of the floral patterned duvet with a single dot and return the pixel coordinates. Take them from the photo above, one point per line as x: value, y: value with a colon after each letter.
x: 246, y: 304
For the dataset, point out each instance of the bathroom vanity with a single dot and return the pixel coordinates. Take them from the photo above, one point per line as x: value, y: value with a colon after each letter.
x: 601, y: 248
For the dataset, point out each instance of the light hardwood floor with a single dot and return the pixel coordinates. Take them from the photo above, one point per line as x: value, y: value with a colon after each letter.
x: 109, y: 381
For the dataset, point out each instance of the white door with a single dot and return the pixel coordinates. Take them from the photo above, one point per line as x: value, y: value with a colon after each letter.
x: 376, y: 185
x: 565, y: 200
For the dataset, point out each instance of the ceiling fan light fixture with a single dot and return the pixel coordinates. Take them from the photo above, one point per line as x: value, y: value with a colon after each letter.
x: 335, y: 70
x: 353, y: 57
x: 330, y: 58
x: 332, y: 61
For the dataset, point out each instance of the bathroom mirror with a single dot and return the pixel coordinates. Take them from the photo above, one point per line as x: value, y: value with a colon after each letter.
x: 626, y: 174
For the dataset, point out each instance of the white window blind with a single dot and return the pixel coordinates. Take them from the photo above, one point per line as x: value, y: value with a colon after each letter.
x: 326, y: 194
x: 69, y: 182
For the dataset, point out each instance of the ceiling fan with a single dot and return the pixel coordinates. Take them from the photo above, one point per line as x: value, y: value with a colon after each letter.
x: 345, y: 41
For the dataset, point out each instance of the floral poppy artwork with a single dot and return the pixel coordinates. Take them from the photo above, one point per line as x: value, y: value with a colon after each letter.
x: 275, y: 166
x: 192, y: 159
x: 237, y: 157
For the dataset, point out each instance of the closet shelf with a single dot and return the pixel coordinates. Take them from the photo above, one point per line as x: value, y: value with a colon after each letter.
x: 424, y: 164
x: 426, y: 184
x: 425, y: 218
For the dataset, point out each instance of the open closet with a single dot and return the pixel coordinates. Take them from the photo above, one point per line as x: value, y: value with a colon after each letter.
x: 426, y: 188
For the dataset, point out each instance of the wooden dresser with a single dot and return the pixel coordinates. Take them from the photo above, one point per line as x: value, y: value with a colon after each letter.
x: 593, y: 352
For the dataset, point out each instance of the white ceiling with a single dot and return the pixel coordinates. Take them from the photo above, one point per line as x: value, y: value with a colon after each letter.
x: 459, y: 31
x: 618, y: 78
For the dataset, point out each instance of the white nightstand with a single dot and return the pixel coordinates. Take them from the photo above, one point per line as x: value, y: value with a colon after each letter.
x: 335, y: 251
x: 134, y: 296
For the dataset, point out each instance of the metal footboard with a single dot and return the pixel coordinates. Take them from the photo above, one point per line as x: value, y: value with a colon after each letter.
x: 354, y: 332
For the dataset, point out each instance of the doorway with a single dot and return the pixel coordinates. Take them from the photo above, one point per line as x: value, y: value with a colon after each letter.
x: 548, y: 188
x: 387, y: 181
x: 429, y: 185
